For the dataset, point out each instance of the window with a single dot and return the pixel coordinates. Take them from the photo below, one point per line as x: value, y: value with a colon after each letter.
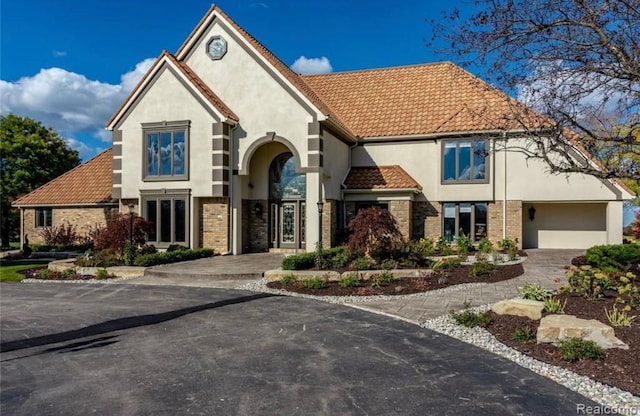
x: 464, y: 219
x: 464, y: 160
x: 166, y: 148
x: 168, y: 213
x: 44, y: 217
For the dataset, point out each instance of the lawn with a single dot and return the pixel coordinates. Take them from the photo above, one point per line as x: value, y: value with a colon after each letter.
x: 10, y: 269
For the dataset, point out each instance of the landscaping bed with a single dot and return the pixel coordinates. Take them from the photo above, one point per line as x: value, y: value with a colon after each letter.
x: 439, y: 279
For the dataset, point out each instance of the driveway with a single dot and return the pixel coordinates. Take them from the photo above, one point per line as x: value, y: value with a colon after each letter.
x: 76, y: 349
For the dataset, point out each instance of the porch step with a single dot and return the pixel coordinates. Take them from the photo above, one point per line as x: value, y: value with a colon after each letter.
x: 287, y: 250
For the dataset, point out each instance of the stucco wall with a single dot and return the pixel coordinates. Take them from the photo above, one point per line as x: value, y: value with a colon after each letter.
x: 84, y: 218
x: 336, y: 165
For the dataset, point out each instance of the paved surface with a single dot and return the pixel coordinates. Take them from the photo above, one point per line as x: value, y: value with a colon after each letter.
x: 78, y: 349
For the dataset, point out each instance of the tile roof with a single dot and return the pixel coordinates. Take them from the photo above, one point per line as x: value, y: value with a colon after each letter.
x: 380, y: 177
x: 89, y: 183
x: 415, y: 100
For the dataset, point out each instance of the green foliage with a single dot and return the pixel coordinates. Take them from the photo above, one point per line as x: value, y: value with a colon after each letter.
x: 523, y: 334
x: 446, y: 264
x: 32, y: 155
x: 68, y: 273
x: 443, y: 247
x: 553, y: 305
x: 363, y: 263
x: 129, y: 253
x: 613, y: 257
x: 383, y: 279
x: 619, y: 318
x: 628, y: 292
x: 78, y: 248
x: 10, y: 271
x: 102, y: 258
x: 485, y: 246
x: 470, y: 319
x: 535, y: 292
x: 103, y: 274
x: 302, y: 261
x: 314, y: 283
x: 574, y: 349
x: 321, y: 260
x: 288, y: 279
x: 176, y: 247
x: 173, y: 257
x: 340, y: 257
x: 389, y: 264
x: 587, y: 281
x: 425, y: 247
x: 510, y: 247
x: 463, y: 245
x: 373, y: 232
x: 482, y: 267
x: 350, y: 280
x: 45, y: 274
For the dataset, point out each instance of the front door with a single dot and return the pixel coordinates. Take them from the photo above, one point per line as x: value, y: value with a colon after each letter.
x: 287, y: 208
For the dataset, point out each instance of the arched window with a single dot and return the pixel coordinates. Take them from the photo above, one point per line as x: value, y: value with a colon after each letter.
x: 284, y: 182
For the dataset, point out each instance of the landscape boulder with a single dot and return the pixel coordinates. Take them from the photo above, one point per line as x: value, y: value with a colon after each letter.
x: 531, y: 309
x: 555, y: 328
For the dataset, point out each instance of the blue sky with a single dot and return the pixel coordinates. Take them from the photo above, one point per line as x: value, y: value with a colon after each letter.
x: 70, y: 63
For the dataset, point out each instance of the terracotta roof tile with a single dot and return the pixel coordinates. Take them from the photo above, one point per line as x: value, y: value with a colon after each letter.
x: 89, y: 183
x: 414, y: 100
x: 380, y: 177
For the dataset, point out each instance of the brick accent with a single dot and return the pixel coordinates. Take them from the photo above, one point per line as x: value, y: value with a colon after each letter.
x: 214, y: 223
x: 255, y: 229
x: 514, y: 221
x: 329, y: 222
x: 427, y: 222
x: 401, y: 211
x: 84, y: 218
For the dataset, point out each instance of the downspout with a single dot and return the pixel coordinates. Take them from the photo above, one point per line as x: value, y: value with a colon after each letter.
x: 232, y: 190
x: 504, y: 196
x: 343, y: 187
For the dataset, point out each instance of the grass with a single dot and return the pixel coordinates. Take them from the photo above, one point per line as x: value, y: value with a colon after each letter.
x: 10, y: 269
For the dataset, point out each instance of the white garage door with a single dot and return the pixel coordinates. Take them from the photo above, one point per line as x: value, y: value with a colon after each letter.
x: 564, y: 225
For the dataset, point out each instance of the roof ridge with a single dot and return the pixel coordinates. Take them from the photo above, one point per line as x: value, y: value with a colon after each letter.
x: 385, y: 68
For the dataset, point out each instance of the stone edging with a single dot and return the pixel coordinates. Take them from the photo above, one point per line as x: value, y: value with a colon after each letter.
x: 119, y: 271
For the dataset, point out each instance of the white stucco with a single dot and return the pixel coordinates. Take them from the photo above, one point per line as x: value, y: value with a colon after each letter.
x: 336, y: 165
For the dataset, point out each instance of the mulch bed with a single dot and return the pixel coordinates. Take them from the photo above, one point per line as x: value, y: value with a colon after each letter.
x: 620, y: 368
x: 408, y: 285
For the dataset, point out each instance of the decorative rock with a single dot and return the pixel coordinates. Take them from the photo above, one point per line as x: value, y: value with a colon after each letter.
x: 555, y: 328
x: 531, y: 309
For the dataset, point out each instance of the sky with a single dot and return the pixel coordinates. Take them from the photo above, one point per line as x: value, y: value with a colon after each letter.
x: 70, y: 63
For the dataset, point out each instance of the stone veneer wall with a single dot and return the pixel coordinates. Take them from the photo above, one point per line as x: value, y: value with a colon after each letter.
x: 84, y: 218
x: 214, y: 223
x: 255, y: 229
x: 401, y: 211
x: 427, y: 222
x: 514, y: 221
x: 329, y: 222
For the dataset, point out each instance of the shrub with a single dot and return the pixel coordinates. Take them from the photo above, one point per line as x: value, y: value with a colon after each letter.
x: 102, y: 258
x: 288, y: 279
x: 315, y: 283
x: 373, y: 232
x: 350, y: 280
x: 173, y: 257
x: 147, y: 249
x: 523, y: 334
x: 68, y: 273
x: 424, y: 247
x: 470, y: 319
x: 382, y: 279
x: 389, y: 264
x: 340, y: 257
x: 463, y: 245
x: 587, y: 281
x: 574, y: 349
x: 619, y: 318
x: 485, y: 246
x: 116, y: 232
x: 553, y: 305
x: 508, y: 245
x: 44, y: 274
x: 129, y: 253
x: 59, y: 234
x: 443, y: 247
x: 302, y: 261
x: 103, y: 274
x: 176, y: 247
x: 634, y: 229
x: 447, y: 264
x: 534, y: 292
x: 613, y: 257
x: 482, y: 267
x: 363, y: 263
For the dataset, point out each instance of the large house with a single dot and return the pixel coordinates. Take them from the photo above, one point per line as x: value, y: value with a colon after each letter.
x: 222, y: 145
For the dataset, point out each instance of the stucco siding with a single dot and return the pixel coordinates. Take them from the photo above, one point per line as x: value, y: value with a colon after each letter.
x: 336, y: 165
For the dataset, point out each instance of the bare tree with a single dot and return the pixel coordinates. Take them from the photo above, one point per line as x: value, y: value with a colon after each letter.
x: 576, y: 62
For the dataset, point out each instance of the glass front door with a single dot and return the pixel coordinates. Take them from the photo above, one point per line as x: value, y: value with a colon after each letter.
x: 287, y: 209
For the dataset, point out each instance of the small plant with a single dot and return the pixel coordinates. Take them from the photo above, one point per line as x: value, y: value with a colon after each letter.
x: 288, y: 279
x: 446, y: 264
x: 523, y: 334
x: 321, y: 261
x: 510, y: 247
x: 574, y: 349
x: 482, y: 267
x: 315, y: 283
x: 553, y: 305
x: 443, y: 247
x: 129, y: 253
x: 68, y: 273
x: 470, y: 319
x: 350, y: 280
x: 363, y: 263
x: 103, y: 274
x: 587, y: 281
x: 382, y: 279
x: 619, y: 318
x: 389, y: 264
x: 535, y: 292
x: 425, y: 247
x: 45, y: 274
x: 485, y: 246
x: 463, y: 245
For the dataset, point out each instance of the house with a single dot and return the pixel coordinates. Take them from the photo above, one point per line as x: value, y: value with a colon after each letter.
x: 222, y: 145
x: 81, y: 197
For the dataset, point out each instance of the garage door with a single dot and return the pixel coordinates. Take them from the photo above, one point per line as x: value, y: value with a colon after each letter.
x: 564, y: 225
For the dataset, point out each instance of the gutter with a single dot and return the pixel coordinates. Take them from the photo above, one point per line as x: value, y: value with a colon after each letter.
x: 231, y: 235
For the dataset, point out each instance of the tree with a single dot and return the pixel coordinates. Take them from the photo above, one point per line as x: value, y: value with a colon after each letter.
x: 30, y: 156
x: 373, y: 232
x: 577, y: 62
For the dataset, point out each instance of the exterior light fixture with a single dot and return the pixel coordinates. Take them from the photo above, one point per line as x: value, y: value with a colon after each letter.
x: 532, y: 213
x: 257, y: 208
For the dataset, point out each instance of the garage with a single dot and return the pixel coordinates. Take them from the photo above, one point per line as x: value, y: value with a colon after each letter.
x: 564, y: 225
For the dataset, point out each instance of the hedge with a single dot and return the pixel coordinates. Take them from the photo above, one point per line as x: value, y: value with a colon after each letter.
x: 302, y: 261
x: 154, y: 259
x: 615, y: 256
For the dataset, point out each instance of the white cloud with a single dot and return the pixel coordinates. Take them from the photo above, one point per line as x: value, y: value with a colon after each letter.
x: 310, y: 66
x: 85, y: 151
x: 59, y: 54
x: 258, y: 5
x: 68, y: 102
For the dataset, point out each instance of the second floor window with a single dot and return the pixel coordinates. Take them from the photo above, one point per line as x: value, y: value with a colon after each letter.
x: 464, y: 160
x: 166, y: 151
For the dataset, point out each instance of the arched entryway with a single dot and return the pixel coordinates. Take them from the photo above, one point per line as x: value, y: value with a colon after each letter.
x: 287, y: 207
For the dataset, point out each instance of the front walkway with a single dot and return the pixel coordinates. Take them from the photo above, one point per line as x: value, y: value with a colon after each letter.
x: 542, y: 266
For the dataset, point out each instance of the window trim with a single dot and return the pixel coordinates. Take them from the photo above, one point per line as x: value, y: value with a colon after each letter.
x: 164, y: 127
x: 472, y: 219
x: 44, y: 210
x: 472, y: 140
x: 172, y: 195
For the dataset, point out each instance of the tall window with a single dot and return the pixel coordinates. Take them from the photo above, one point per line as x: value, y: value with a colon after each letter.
x: 284, y: 182
x: 168, y: 213
x: 464, y: 219
x: 166, y: 153
x: 44, y: 217
x: 464, y: 160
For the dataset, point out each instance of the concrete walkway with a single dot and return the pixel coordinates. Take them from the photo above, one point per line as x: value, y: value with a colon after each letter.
x: 541, y: 266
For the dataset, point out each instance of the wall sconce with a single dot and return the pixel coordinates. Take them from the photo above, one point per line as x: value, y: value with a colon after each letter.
x: 532, y: 213
x: 257, y: 208
x: 320, y: 207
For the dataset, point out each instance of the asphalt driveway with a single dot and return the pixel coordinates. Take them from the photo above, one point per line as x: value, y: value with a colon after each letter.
x: 78, y: 349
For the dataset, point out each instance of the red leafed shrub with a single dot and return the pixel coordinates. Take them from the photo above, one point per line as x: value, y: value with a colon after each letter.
x: 60, y: 235
x: 373, y: 233
x: 116, y: 233
x: 635, y: 226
